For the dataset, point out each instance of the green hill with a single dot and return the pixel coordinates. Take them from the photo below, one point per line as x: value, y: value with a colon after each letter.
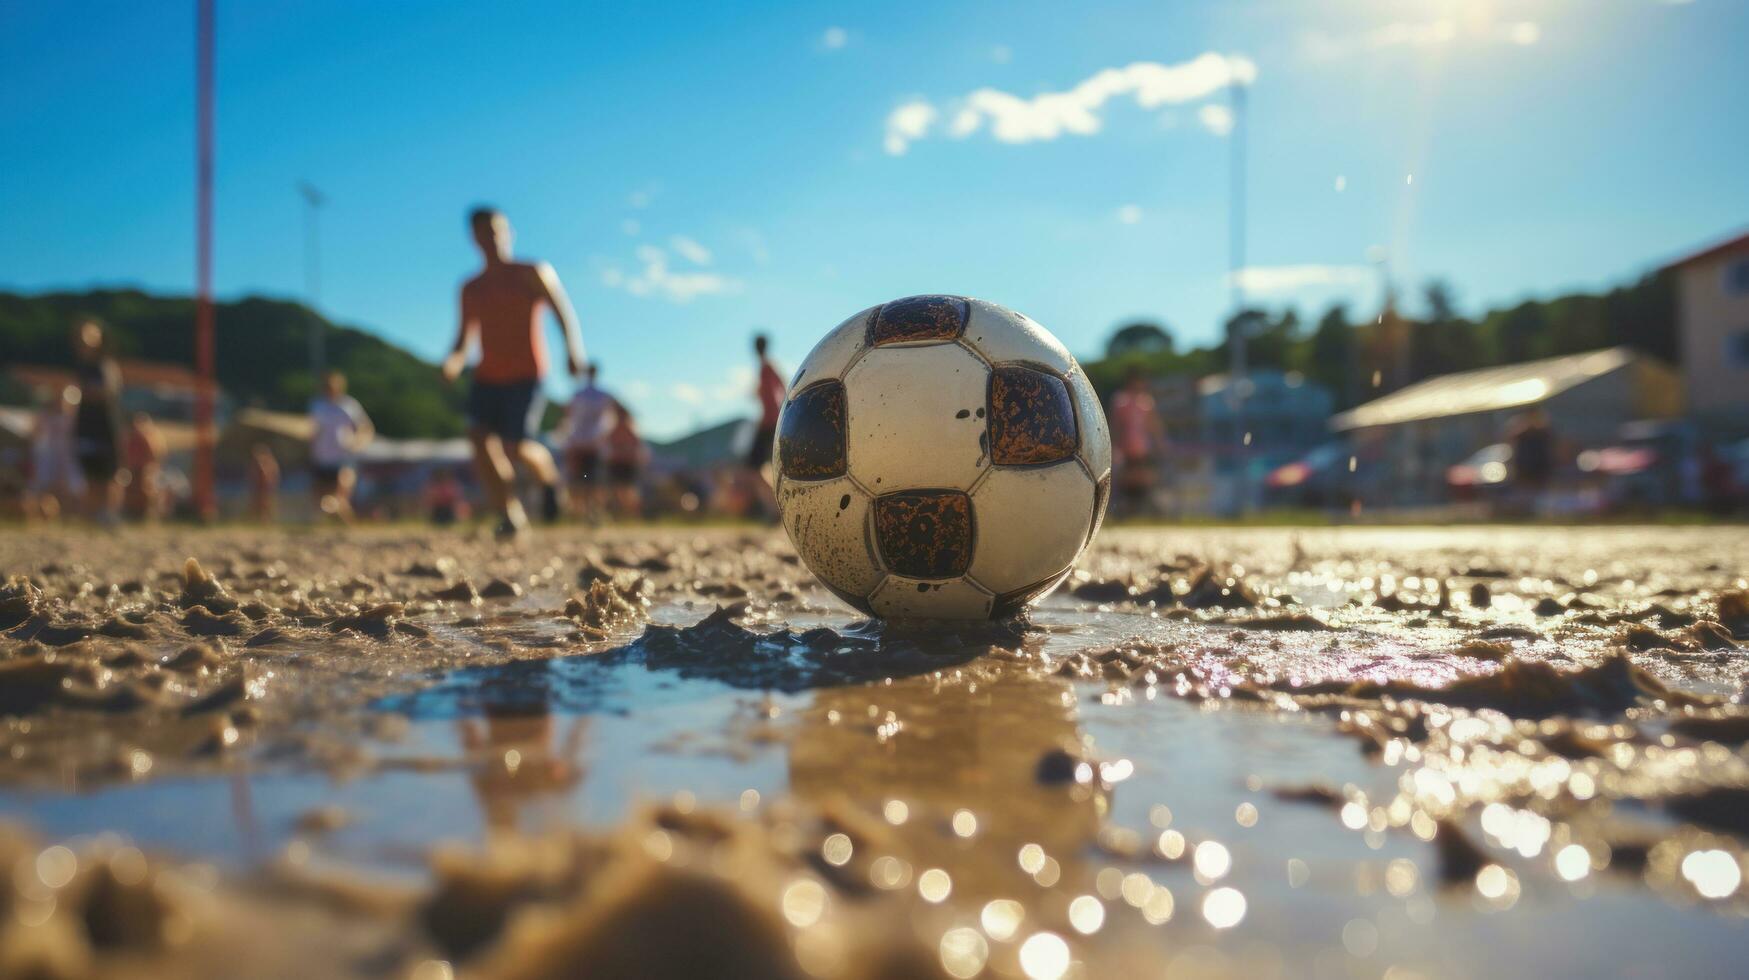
x: 263, y: 352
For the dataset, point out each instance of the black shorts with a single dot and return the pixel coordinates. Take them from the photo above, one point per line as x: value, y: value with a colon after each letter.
x: 510, y: 411
x: 585, y: 465
x: 98, y: 465
x: 759, y: 453
x: 325, y: 476
x: 622, y: 474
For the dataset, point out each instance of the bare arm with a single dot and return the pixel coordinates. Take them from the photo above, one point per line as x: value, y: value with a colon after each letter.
x: 363, y: 429
x: 561, y: 305
x: 452, y: 365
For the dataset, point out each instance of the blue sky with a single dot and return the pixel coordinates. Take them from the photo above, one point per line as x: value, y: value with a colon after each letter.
x: 699, y: 171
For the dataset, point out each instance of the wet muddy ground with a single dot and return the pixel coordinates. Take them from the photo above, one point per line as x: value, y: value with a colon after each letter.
x: 1332, y: 752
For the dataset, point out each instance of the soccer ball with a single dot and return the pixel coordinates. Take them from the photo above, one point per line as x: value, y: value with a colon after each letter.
x: 939, y: 458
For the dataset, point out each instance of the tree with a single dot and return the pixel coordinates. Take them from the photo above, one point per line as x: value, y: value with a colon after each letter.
x: 1330, y: 355
x: 1445, y: 341
x: 1521, y: 333
x: 1141, y: 337
x: 262, y: 346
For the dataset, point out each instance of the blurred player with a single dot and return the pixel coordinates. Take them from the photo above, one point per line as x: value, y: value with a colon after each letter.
x: 97, y: 420
x: 1136, y: 434
x: 144, y: 454
x: 626, y: 456
x: 341, y: 429
x: 770, y: 391
x: 502, y: 306
x: 55, y: 480
x: 588, y: 419
x: 263, y: 482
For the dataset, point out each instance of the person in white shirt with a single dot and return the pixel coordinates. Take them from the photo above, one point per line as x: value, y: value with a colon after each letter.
x: 55, y: 479
x: 341, y: 430
x: 588, y: 419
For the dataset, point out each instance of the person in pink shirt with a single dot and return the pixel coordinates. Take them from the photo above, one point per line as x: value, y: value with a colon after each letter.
x: 771, y: 392
x: 1136, y: 435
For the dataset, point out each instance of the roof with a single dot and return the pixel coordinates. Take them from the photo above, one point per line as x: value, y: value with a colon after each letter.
x: 381, y: 450
x: 706, y: 447
x: 1738, y: 244
x: 1215, y: 384
x: 292, y: 425
x: 17, y: 422
x: 157, y: 375
x: 1485, y: 390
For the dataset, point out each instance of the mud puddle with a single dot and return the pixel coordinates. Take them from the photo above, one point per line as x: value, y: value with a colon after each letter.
x: 1328, y: 754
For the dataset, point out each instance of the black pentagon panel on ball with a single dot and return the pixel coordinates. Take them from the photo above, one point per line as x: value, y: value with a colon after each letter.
x: 1032, y: 417
x: 918, y: 318
x: 924, y: 533
x: 811, y: 436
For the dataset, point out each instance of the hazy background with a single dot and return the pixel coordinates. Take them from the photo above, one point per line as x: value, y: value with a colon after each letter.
x: 698, y: 171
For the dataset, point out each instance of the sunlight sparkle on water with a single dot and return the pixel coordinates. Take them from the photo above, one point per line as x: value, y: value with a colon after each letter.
x: 1224, y: 908
x: 934, y: 885
x: 1086, y: 914
x: 1001, y: 918
x: 1044, y: 956
x: 963, y: 952
x: 1714, y: 874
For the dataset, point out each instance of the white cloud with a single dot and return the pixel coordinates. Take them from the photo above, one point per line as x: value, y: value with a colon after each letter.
x: 1001, y: 54
x: 907, y: 124
x: 690, y: 250
x: 630, y: 226
x: 834, y: 38
x: 1049, y: 115
x: 657, y: 278
x: 640, y: 198
x: 1129, y: 214
x: 1287, y: 278
x: 686, y: 393
x: 1423, y: 34
x: 1216, y: 118
x: 636, y: 389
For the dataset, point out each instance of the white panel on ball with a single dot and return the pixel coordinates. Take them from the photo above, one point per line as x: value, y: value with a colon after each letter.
x: 1020, y: 543
x: 832, y: 516
x: 832, y: 355
x: 908, y: 598
x: 1004, y: 335
x: 915, y: 417
x: 1090, y: 418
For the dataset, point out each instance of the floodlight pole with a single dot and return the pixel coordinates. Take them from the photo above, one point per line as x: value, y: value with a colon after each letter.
x: 313, y: 201
x: 1236, y: 368
x: 205, y: 502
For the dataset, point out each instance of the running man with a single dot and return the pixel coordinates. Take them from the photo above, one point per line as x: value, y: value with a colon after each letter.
x: 771, y: 391
x: 587, y: 422
x: 502, y: 305
x: 341, y: 430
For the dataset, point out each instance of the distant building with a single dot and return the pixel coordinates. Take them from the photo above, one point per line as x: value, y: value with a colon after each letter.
x: 1409, y: 438
x: 167, y: 392
x: 1712, y: 314
x: 1285, y: 415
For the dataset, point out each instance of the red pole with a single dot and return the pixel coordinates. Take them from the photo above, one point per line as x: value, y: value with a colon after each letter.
x: 204, y: 500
